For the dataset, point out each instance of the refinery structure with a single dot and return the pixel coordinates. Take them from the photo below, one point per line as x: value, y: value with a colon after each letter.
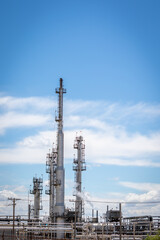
x: 65, y: 223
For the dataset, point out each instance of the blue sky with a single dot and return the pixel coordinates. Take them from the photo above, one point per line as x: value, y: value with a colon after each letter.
x: 108, y: 54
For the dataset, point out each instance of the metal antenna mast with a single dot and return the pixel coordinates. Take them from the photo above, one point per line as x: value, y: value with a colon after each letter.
x: 78, y: 167
x: 60, y: 162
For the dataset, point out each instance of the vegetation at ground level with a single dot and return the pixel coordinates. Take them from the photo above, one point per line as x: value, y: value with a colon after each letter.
x: 155, y: 237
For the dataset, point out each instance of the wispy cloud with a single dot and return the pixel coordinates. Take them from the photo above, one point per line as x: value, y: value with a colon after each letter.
x: 25, y: 112
x: 115, y: 112
x: 102, y: 124
x: 16, y: 120
x: 141, y: 186
x: 78, y: 113
x: 101, y: 148
x: 13, y: 103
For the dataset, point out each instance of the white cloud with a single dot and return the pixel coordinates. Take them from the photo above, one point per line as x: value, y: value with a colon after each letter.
x: 102, y: 124
x: 42, y: 140
x: 110, y: 108
x: 25, y: 112
x: 107, y: 140
x: 151, y: 196
x: 132, y: 204
x: 101, y: 148
x: 23, y: 155
x: 36, y: 111
x: 112, y: 111
x: 12, y: 120
x: 5, y: 194
x: 91, y: 201
x: 141, y: 186
x: 116, y: 148
x: 13, y: 103
x: 20, y: 189
x: 12, y: 188
x: 146, y: 203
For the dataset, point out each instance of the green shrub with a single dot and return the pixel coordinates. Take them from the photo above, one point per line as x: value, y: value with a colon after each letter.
x: 155, y: 237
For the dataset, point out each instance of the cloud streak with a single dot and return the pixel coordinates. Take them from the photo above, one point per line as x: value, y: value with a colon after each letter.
x: 100, y: 148
x: 141, y: 186
x: 13, y: 103
x: 77, y: 113
x: 103, y: 125
x: 16, y: 120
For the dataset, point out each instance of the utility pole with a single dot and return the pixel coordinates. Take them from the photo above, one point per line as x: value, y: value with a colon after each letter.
x: 75, y: 220
x: 120, y: 221
x: 29, y: 212
x: 29, y: 209
x: 14, y: 205
x: 107, y: 216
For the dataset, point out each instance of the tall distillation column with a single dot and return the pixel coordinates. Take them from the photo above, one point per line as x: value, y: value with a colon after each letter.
x: 59, y: 207
x: 51, y: 170
x: 37, y: 191
x: 78, y: 167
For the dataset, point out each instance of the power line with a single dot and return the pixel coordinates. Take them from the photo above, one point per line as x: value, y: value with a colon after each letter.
x: 96, y: 201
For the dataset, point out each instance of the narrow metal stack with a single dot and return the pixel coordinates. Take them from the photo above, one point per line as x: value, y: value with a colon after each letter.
x: 37, y: 191
x: 59, y: 206
x: 78, y: 167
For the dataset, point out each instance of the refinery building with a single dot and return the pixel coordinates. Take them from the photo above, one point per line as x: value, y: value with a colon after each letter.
x: 65, y: 223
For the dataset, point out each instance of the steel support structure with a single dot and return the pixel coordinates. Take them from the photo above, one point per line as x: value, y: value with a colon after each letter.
x: 59, y: 206
x: 37, y: 191
x: 79, y: 166
x: 51, y: 170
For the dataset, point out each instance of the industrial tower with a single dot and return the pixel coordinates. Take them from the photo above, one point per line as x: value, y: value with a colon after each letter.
x: 59, y: 206
x: 51, y: 170
x: 78, y: 167
x: 37, y: 191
